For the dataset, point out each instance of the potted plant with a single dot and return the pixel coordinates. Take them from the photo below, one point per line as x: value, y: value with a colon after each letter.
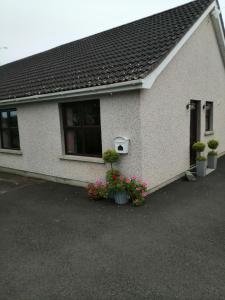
x: 110, y: 174
x: 212, y: 155
x: 201, y: 162
x: 137, y: 190
x: 111, y: 156
x: 118, y: 187
x: 98, y: 190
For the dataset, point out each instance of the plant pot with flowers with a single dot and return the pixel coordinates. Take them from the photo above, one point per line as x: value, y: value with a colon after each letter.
x: 118, y: 187
x: 212, y: 155
x: 137, y: 190
x: 98, y: 190
x: 201, y: 161
x: 110, y: 175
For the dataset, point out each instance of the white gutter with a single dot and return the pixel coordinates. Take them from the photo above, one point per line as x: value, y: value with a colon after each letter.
x: 99, y: 90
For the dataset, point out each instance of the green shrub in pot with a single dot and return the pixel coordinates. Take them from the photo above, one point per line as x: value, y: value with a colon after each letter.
x: 212, y: 155
x: 213, y: 144
x: 111, y: 156
x: 198, y: 147
x: 201, y: 161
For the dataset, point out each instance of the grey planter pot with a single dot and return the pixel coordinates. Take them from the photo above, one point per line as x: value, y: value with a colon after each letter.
x: 121, y: 198
x: 201, y: 168
x: 212, y: 161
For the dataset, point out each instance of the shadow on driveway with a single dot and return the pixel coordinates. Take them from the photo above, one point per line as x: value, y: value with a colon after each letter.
x: 56, y: 244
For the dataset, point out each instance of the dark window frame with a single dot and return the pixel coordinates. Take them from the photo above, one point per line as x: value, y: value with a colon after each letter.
x: 9, y: 128
x: 81, y: 105
x: 208, y: 116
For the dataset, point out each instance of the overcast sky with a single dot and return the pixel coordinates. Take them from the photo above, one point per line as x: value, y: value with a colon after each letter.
x: 32, y: 26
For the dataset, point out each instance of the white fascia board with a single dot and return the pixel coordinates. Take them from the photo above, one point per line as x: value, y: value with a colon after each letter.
x: 149, y: 80
x: 85, y: 92
x: 218, y: 27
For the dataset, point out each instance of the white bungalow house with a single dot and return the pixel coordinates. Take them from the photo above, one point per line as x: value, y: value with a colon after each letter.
x: 158, y: 81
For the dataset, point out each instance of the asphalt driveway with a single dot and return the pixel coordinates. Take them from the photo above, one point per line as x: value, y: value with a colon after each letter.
x: 56, y: 244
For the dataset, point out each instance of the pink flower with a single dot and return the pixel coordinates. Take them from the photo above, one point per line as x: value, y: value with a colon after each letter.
x: 127, y: 180
x: 134, y: 177
x: 138, y: 189
x: 98, y: 182
x: 121, y: 177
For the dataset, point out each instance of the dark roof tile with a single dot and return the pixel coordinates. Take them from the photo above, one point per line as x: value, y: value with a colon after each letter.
x: 124, y: 53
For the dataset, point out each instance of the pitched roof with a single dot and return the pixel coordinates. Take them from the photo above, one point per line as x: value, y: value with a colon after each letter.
x: 124, y: 53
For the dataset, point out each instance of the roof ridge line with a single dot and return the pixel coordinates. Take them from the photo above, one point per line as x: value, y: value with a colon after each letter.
x: 101, y: 32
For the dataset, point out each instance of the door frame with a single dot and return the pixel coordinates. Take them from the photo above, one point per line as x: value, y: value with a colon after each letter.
x: 197, y: 104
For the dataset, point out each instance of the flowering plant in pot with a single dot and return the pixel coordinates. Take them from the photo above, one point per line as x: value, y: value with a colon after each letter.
x: 137, y: 190
x: 118, y: 187
x: 111, y: 156
x: 110, y: 175
x: 98, y: 190
x: 212, y: 155
x: 201, y: 162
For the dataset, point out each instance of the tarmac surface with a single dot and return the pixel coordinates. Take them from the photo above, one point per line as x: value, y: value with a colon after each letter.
x: 57, y: 244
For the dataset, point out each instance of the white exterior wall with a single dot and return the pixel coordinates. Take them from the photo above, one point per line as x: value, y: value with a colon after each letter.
x: 156, y: 121
x: 197, y: 72
x: 120, y: 116
x: 42, y: 142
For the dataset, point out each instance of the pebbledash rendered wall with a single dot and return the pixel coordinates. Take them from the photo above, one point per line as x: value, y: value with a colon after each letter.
x: 197, y: 72
x: 156, y: 121
x: 42, y: 142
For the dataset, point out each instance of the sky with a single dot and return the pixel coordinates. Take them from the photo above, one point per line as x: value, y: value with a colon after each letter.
x: 32, y: 26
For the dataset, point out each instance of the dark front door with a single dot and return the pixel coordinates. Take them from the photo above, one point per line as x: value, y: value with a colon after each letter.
x: 194, y: 127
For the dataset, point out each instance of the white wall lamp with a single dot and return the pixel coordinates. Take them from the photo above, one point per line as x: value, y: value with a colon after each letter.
x: 190, y: 106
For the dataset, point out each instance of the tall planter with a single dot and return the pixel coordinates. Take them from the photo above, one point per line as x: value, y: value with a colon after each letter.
x: 212, y: 155
x: 121, y: 198
x: 201, y: 168
x: 212, y: 161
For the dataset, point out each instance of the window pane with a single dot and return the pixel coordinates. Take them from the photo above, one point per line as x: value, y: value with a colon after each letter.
x: 93, y: 144
x: 74, y: 141
x: 209, y: 116
x: 15, y: 138
x: 4, y: 119
x: 13, y: 118
x: 73, y: 117
x: 207, y: 120
x: 6, y: 138
x: 82, y: 128
x: 92, y: 113
x: 9, y: 130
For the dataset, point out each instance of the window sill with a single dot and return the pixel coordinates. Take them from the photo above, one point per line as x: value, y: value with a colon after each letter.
x: 11, y: 151
x: 82, y: 158
x: 209, y: 133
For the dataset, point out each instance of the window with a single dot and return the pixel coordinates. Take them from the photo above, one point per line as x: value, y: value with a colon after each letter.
x: 82, y: 128
x: 209, y: 116
x: 9, y: 129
